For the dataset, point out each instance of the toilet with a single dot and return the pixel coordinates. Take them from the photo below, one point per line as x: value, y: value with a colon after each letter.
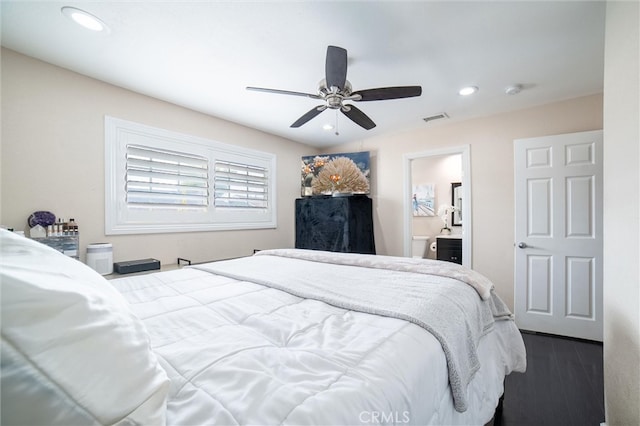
x: 419, y: 246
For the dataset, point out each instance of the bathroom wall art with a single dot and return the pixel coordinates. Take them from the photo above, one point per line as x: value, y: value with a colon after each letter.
x: 424, y: 199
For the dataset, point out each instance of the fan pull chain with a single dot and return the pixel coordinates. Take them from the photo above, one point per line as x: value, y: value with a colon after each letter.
x: 337, y: 133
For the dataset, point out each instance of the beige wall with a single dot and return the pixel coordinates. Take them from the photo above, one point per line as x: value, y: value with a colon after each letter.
x: 622, y: 214
x: 491, y: 141
x: 52, y: 157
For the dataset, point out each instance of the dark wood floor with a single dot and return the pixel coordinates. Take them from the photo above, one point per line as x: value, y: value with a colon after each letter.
x: 563, y: 384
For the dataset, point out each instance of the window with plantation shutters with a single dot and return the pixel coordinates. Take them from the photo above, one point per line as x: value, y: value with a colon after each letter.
x: 160, y: 181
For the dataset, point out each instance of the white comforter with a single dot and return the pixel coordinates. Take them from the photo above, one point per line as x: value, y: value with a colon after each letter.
x: 242, y: 353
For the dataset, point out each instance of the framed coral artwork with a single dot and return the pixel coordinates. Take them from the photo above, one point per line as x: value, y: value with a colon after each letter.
x: 342, y: 173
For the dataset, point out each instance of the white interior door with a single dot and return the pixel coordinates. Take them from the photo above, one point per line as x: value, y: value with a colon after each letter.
x: 558, y: 247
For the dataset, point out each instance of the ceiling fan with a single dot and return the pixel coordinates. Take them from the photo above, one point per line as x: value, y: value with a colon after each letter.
x: 334, y: 89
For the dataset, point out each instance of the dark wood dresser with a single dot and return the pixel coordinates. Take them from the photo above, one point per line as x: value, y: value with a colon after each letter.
x: 340, y: 224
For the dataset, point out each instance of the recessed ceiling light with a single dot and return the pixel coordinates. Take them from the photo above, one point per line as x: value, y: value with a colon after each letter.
x: 469, y: 90
x: 84, y: 19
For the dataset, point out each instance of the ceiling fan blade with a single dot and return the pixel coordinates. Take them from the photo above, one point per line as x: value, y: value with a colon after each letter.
x: 336, y: 67
x: 358, y: 117
x: 308, y: 116
x: 283, y: 92
x: 383, y: 93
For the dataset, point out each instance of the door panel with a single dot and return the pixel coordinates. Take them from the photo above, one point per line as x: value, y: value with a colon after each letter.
x: 539, y: 208
x: 580, y: 208
x: 539, y: 284
x: 580, y: 287
x: 558, y: 269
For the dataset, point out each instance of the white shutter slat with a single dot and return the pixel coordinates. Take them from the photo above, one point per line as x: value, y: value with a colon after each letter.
x: 176, y: 169
x: 143, y: 152
x: 234, y: 177
x: 241, y: 195
x: 222, y: 185
x: 166, y: 189
x: 165, y: 199
x: 167, y: 178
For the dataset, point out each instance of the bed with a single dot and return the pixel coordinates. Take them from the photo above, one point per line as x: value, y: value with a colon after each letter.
x: 282, y: 337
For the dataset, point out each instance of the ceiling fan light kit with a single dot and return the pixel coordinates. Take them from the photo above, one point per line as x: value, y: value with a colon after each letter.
x: 335, y: 89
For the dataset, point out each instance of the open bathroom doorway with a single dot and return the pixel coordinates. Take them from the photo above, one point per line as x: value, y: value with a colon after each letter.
x: 435, y: 181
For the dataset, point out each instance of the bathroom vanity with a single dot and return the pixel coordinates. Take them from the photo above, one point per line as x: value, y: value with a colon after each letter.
x: 449, y: 248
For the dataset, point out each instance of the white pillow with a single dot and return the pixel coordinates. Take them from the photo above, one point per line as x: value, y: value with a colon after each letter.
x: 72, y: 350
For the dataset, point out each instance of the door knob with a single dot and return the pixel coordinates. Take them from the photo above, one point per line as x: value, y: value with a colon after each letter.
x: 522, y: 245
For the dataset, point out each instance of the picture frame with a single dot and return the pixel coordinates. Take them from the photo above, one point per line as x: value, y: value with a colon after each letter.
x: 345, y: 173
x: 424, y: 200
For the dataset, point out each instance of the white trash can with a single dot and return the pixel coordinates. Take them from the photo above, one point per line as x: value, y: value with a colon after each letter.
x: 100, y: 257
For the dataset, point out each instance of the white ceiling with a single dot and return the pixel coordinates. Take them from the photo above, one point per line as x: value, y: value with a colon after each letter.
x: 202, y: 55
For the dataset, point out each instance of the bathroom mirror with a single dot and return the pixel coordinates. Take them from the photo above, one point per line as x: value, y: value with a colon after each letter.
x: 456, y: 201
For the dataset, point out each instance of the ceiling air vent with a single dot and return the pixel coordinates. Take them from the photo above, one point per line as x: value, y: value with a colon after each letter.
x: 436, y: 117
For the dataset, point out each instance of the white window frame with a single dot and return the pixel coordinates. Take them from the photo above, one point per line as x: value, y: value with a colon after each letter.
x: 124, y: 218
